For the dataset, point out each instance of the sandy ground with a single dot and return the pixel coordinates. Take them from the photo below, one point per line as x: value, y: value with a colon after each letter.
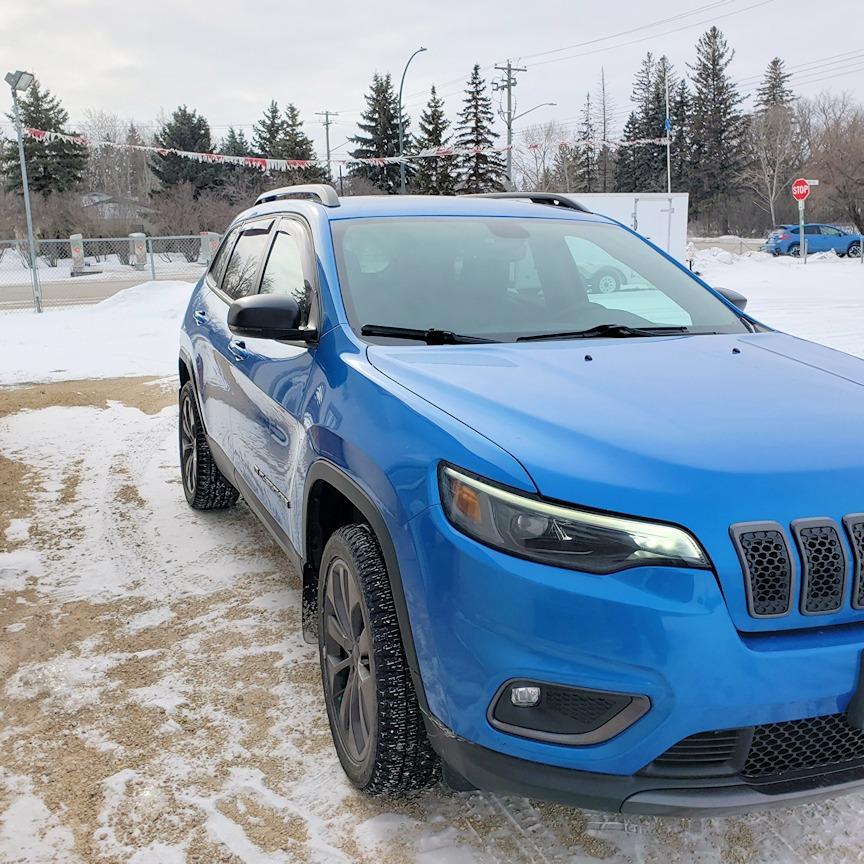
x: 159, y: 705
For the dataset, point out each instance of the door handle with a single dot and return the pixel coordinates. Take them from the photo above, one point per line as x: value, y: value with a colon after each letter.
x: 238, y: 349
x: 199, y: 315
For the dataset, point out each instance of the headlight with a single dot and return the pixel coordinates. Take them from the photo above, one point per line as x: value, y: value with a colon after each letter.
x: 562, y: 536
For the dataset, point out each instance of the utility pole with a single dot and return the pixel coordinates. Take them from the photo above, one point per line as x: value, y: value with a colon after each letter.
x: 327, y: 121
x: 508, y: 84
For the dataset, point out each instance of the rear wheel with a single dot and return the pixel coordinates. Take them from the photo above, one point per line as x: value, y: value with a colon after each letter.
x: 374, y: 716
x: 204, y: 485
x: 794, y: 250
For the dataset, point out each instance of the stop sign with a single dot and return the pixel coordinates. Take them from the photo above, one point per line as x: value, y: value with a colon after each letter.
x: 800, y: 189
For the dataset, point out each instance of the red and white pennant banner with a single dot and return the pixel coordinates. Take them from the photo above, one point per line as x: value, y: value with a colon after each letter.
x: 267, y: 163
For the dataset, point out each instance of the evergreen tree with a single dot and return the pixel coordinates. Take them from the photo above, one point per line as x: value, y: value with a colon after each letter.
x: 718, y: 131
x: 269, y: 131
x: 138, y: 175
x: 185, y: 130
x: 434, y: 176
x: 379, y: 136
x: 774, y: 91
x: 235, y: 143
x: 575, y: 168
x: 296, y: 144
x: 52, y: 166
x: 628, y: 165
x: 479, y: 172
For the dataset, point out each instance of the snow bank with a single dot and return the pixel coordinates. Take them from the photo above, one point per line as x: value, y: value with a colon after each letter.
x: 132, y: 333
x: 822, y: 300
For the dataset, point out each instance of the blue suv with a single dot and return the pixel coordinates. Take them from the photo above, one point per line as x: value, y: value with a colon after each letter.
x: 602, y: 549
x: 786, y: 240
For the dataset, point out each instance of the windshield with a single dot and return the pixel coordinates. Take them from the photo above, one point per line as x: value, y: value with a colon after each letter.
x: 504, y: 278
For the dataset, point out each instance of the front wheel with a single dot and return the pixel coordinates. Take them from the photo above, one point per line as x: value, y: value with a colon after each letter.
x: 854, y: 250
x: 374, y: 715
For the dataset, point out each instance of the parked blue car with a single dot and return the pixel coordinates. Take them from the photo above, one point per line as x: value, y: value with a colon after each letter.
x: 601, y: 549
x: 786, y: 240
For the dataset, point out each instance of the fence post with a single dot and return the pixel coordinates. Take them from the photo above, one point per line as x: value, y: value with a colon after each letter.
x: 152, y: 259
x: 138, y: 250
x: 76, y: 245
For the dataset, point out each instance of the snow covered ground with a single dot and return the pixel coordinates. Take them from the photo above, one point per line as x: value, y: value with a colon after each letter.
x: 157, y: 704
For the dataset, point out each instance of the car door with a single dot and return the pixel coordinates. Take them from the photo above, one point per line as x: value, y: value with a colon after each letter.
x: 273, y: 377
x: 219, y: 394
x: 833, y: 239
x: 816, y: 242
x: 208, y: 333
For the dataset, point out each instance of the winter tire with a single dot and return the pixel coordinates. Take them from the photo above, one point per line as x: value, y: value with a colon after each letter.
x: 794, y: 251
x: 854, y: 250
x: 204, y: 485
x: 374, y: 716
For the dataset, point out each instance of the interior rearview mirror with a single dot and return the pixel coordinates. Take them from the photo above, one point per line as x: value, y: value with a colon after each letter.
x: 733, y: 297
x: 269, y: 316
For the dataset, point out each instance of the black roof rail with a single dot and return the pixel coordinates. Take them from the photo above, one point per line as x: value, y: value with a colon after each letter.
x: 554, y: 199
x: 321, y: 192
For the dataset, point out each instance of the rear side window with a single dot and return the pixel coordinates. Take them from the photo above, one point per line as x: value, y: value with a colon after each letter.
x: 243, y: 264
x: 283, y: 272
x: 812, y: 229
x: 217, y: 269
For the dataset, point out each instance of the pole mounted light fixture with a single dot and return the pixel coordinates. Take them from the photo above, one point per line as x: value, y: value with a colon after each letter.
x: 19, y: 81
x: 401, y: 124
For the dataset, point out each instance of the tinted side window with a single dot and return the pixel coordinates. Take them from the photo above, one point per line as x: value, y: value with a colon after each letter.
x: 812, y: 229
x: 283, y: 272
x: 243, y: 263
x: 217, y: 269
x: 828, y: 231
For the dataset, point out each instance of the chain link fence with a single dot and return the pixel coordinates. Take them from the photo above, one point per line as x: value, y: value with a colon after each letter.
x: 735, y: 245
x: 83, y: 270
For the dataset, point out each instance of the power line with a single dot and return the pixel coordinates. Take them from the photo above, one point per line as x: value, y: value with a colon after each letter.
x: 656, y: 35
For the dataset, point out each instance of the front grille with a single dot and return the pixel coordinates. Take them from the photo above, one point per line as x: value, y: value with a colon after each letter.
x: 855, y: 529
x: 823, y: 559
x: 766, y: 753
x: 705, y: 750
x: 815, y: 742
x: 767, y: 567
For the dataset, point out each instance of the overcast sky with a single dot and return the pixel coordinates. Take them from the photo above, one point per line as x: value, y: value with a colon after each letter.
x: 229, y: 58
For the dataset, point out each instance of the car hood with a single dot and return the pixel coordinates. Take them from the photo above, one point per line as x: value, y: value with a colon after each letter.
x: 757, y: 426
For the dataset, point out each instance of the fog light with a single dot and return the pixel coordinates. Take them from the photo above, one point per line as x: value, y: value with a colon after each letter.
x: 525, y: 697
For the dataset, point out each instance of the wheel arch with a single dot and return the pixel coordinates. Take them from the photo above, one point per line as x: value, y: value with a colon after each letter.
x: 331, y: 499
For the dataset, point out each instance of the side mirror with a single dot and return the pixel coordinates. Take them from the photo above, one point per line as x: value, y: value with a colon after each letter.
x: 733, y: 297
x: 269, y: 316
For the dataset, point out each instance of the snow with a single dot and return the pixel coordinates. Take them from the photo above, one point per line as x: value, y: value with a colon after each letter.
x: 135, y: 332
x: 167, y: 666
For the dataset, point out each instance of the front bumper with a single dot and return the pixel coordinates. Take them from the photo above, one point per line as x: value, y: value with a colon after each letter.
x: 480, y: 618
x: 497, y: 772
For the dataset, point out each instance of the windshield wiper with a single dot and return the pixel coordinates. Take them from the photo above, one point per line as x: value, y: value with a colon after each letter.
x: 432, y: 336
x: 615, y: 331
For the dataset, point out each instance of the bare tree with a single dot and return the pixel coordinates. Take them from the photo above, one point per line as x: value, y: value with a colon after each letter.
x: 604, y: 108
x: 834, y: 129
x: 535, y: 160
x: 775, y: 156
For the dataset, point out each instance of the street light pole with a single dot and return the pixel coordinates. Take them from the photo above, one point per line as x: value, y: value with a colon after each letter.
x: 21, y: 81
x: 401, y: 125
